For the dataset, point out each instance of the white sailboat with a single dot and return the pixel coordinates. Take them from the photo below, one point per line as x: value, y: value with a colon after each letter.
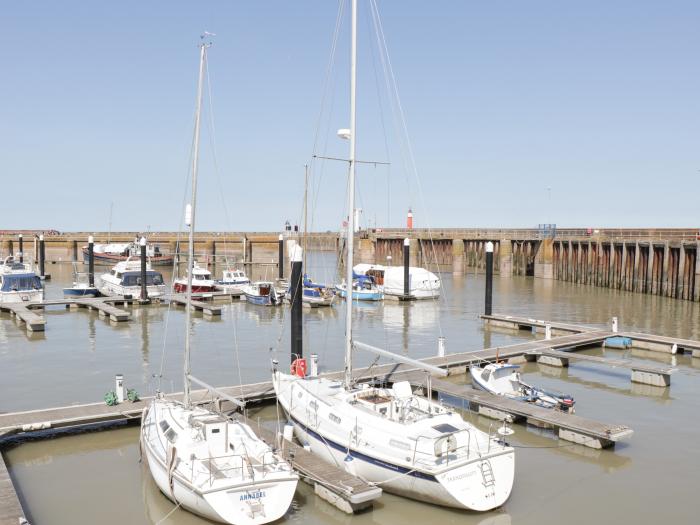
x: 406, y: 443
x: 211, y: 464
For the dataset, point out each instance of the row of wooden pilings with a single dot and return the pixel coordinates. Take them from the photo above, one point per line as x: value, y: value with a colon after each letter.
x: 658, y: 268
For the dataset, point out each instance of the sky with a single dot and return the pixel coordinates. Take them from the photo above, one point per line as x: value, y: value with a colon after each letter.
x: 583, y: 114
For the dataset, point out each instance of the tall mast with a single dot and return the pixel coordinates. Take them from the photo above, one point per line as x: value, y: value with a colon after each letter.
x: 190, y: 214
x: 306, y: 212
x: 350, y: 238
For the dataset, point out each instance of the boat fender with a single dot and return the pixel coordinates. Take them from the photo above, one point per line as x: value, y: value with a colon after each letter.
x: 299, y: 367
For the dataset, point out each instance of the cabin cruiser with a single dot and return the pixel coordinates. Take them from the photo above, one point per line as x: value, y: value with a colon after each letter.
x: 262, y: 293
x: 504, y: 379
x: 422, y: 284
x: 19, y: 283
x: 232, y: 281
x: 125, y: 279
x: 201, y: 281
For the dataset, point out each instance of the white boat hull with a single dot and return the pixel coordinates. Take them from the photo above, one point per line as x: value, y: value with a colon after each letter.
x: 242, y: 503
x: 22, y: 297
x: 462, y: 486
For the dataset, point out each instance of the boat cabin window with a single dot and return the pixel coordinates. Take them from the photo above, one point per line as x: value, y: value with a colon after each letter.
x: 264, y: 289
x: 22, y: 282
x: 134, y: 279
x: 486, y: 374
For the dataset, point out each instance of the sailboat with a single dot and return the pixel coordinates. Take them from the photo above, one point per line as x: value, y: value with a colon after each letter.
x: 212, y: 465
x: 407, y: 443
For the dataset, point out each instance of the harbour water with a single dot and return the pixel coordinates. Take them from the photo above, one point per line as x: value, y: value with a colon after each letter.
x: 97, y: 478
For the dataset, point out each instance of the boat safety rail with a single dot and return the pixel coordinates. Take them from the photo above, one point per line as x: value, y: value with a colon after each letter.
x: 446, y: 439
x: 247, y: 466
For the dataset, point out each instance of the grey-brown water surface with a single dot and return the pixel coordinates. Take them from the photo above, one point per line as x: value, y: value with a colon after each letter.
x: 97, y: 478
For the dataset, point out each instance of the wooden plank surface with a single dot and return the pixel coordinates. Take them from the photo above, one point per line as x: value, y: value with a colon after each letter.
x: 312, y: 466
x: 615, y: 363
x: 11, y: 512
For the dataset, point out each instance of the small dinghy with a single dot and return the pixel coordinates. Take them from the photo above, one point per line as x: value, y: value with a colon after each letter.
x: 504, y: 380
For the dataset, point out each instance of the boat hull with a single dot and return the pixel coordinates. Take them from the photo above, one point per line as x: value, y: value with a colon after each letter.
x: 81, y: 292
x: 217, y: 505
x: 462, y: 486
x: 259, y: 300
x: 196, y: 288
x: 28, y: 296
x: 359, y: 295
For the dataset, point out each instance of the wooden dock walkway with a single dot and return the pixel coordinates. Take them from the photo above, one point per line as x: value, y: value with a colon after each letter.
x: 570, y: 427
x: 652, y: 342
x: 197, y: 305
x: 641, y: 373
x: 11, y: 512
x: 19, y: 311
x: 335, y: 485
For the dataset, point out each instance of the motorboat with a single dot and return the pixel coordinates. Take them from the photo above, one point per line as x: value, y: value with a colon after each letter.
x: 19, y: 283
x: 423, y: 284
x: 202, y: 281
x: 209, y: 463
x: 232, y: 281
x: 504, y: 379
x: 262, y: 293
x: 125, y: 280
x: 81, y: 286
x: 314, y: 294
x: 363, y: 289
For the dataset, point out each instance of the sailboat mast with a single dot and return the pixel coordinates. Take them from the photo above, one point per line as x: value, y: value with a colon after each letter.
x: 306, y: 211
x: 350, y: 238
x: 191, y: 217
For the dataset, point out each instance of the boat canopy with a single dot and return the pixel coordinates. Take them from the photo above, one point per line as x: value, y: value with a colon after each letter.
x: 20, y: 282
x: 134, y: 278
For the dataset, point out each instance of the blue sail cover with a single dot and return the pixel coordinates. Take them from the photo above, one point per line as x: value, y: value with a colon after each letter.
x: 20, y: 282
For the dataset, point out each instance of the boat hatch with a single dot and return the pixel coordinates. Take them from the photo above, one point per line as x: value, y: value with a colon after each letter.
x: 445, y: 428
x: 170, y: 434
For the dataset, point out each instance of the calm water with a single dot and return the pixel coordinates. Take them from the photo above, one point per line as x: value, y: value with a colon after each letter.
x: 97, y: 478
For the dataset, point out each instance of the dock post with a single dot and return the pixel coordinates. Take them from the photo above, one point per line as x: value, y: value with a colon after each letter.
x: 280, y: 256
x: 614, y: 325
x: 42, y: 255
x: 406, y: 266
x: 21, y: 249
x: 144, y: 288
x: 119, y: 387
x: 313, y: 366
x: 296, y: 290
x: 547, y: 331
x: 441, y: 346
x: 91, y: 261
x: 488, y: 300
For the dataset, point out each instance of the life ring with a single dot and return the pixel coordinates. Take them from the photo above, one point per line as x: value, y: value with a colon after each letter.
x: 299, y: 367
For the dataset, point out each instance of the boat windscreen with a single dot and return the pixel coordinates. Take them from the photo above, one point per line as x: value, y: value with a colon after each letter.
x: 134, y: 279
x: 20, y: 282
